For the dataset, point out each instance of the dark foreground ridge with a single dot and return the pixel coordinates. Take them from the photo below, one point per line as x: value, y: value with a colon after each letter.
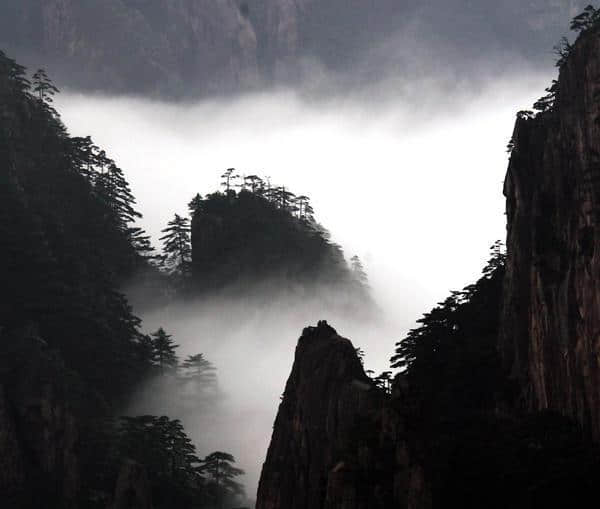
x: 319, y: 454
x: 342, y: 442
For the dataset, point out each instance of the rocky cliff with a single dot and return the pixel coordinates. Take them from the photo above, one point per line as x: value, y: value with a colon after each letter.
x: 39, y: 434
x: 337, y: 443
x: 187, y: 48
x: 551, y: 320
x: 48, y: 435
x: 182, y: 47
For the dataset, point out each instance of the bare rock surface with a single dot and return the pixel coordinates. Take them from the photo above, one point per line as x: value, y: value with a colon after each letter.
x: 551, y: 319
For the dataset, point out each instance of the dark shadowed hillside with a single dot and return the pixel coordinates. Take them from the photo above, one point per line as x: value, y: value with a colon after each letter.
x: 71, y: 350
x: 265, y: 234
x: 441, y: 436
x: 69, y: 240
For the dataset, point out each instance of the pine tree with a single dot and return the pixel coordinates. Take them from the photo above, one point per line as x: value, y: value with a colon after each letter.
x: 451, y: 357
x: 586, y: 20
x: 43, y: 86
x: 195, y: 205
x: 562, y: 50
x: 82, y: 155
x: 177, y: 245
x: 358, y: 272
x: 228, y: 177
x: 164, y: 350
x: 305, y: 211
x: 112, y: 187
x: 14, y: 74
x: 140, y: 241
x: 162, y: 445
x: 255, y: 183
x: 199, y: 370
x: 497, y: 259
x: 546, y: 103
x: 222, y: 474
x: 283, y: 198
x: 198, y: 377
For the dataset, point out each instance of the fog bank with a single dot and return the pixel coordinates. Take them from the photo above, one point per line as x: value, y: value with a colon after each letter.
x: 415, y: 189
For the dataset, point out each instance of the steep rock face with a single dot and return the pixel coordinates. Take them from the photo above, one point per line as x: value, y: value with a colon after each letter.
x: 181, y: 47
x: 12, y: 468
x: 188, y: 48
x: 40, y: 436
x: 133, y: 489
x: 551, y: 324
x: 336, y: 443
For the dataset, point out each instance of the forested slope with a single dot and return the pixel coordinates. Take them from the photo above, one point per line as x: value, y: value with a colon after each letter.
x: 71, y: 350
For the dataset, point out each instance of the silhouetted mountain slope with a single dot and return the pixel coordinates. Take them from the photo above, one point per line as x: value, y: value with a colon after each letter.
x: 442, y: 437
x: 69, y: 343
x: 65, y: 245
x: 71, y: 350
x: 253, y: 238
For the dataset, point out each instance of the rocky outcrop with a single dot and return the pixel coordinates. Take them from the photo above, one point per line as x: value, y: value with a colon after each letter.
x: 12, y: 468
x: 39, y: 435
x: 337, y: 443
x: 133, y: 489
x: 551, y: 320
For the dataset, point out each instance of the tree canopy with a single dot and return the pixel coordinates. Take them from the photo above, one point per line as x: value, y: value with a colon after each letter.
x: 257, y: 231
x: 451, y: 356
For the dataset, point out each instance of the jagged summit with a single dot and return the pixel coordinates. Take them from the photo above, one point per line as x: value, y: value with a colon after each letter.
x: 322, y: 330
x: 318, y: 452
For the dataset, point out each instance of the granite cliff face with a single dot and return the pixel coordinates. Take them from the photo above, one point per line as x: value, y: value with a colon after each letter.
x: 170, y: 47
x: 45, y: 417
x: 191, y: 48
x: 39, y: 433
x: 551, y: 321
x: 310, y: 460
x: 337, y: 442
